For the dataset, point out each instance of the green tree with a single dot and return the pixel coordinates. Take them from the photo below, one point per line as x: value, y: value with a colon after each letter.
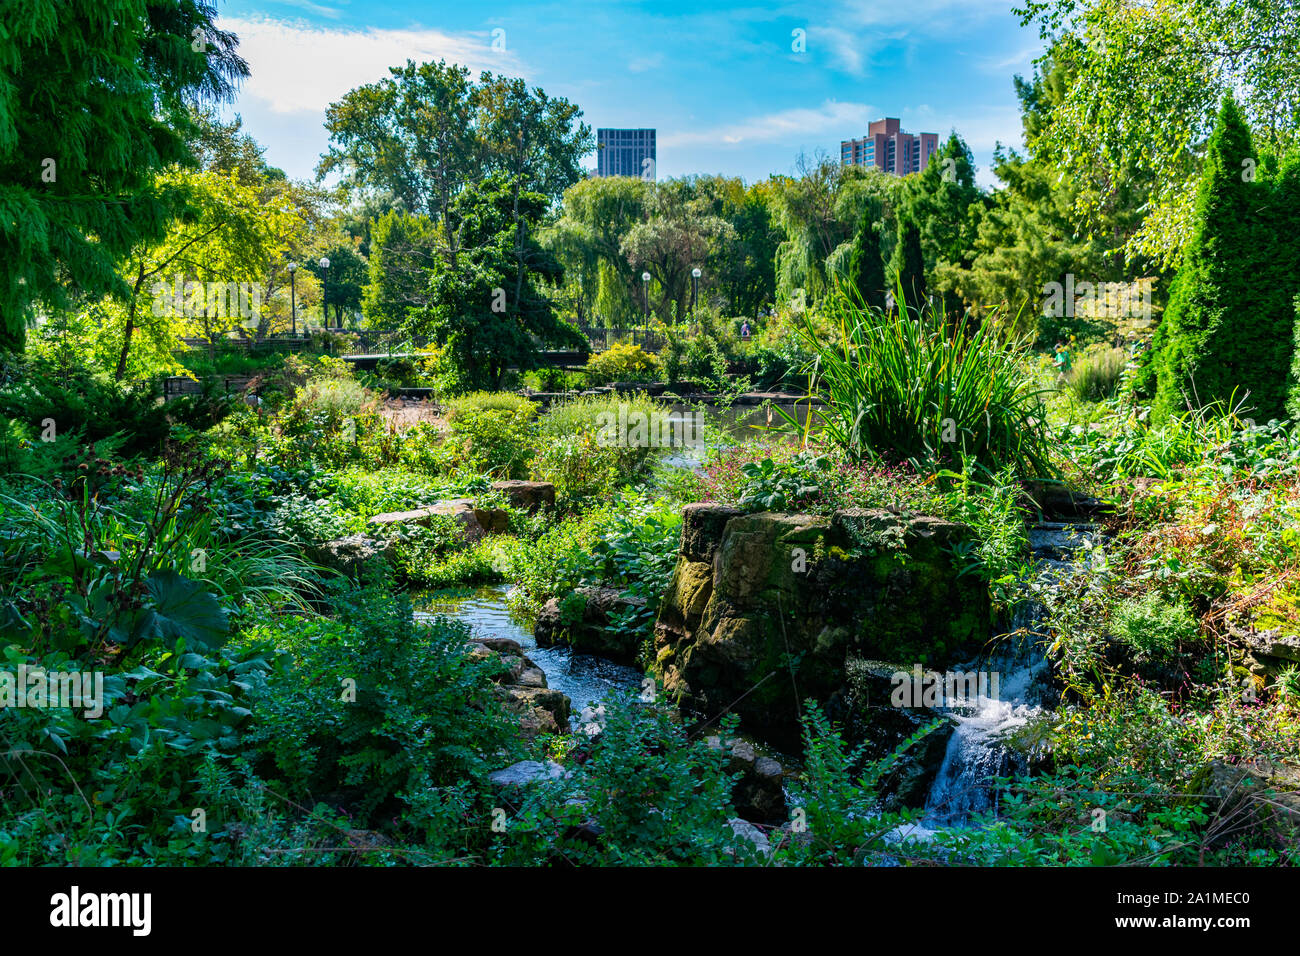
x: 410, y: 135
x: 678, y: 234
x: 94, y: 98
x: 1229, y: 324
x: 224, y: 148
x: 347, y: 276
x: 470, y: 314
x: 403, y: 251
x: 907, y: 269
x: 1036, y: 229
x: 223, y: 237
x: 1145, y: 81
x: 946, y: 204
x: 596, y: 216
x: 866, y: 269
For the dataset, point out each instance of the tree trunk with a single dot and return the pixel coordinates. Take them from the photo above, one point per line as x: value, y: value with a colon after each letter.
x: 120, y: 372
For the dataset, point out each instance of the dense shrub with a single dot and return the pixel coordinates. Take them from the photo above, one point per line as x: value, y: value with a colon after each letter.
x: 491, y: 433
x: 621, y: 362
x: 375, y: 706
x: 574, y: 450
x: 1153, y: 628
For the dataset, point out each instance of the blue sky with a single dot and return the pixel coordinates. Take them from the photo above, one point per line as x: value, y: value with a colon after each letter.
x: 722, y: 83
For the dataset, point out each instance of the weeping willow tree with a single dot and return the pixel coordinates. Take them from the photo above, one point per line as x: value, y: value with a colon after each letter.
x: 821, y: 213
x: 614, y: 302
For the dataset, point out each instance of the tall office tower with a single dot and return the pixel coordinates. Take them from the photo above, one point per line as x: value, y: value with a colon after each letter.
x: 625, y: 152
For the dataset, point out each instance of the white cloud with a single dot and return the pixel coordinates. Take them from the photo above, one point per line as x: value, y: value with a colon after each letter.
x: 317, y: 8
x: 832, y: 118
x: 846, y: 49
x: 297, y: 67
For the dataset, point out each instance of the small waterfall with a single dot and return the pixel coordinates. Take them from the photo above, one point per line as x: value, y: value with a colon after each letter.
x: 978, y: 750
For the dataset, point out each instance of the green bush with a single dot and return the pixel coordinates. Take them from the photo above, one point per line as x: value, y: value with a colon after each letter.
x: 420, y: 716
x: 491, y: 433
x: 573, y: 451
x: 622, y: 362
x: 1153, y: 628
x: 1096, y: 377
x: 658, y: 795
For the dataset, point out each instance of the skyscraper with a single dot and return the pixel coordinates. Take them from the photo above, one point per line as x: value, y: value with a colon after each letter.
x: 625, y: 152
x: 889, y: 148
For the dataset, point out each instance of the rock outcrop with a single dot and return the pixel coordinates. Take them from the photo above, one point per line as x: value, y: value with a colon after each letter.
x: 759, y: 794
x: 348, y: 555
x: 767, y: 609
x: 521, y: 687
x: 583, y: 620
x: 530, y: 496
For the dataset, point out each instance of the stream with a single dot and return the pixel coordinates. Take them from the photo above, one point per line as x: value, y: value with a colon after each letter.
x: 584, y: 678
x: 981, y: 747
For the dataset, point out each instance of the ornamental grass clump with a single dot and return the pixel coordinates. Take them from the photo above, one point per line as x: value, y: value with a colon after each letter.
x: 917, y: 386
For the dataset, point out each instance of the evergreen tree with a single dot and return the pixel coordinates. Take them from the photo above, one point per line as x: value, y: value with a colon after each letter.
x: 946, y: 205
x: 1228, y: 329
x: 908, y: 266
x: 94, y: 98
x: 866, y: 271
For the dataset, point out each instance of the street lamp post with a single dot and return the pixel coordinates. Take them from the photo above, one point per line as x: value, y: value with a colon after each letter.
x: 293, y: 301
x: 645, y: 286
x: 325, y: 291
x: 695, y: 287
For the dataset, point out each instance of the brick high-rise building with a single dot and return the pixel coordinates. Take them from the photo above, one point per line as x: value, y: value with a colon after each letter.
x: 625, y: 152
x: 889, y: 148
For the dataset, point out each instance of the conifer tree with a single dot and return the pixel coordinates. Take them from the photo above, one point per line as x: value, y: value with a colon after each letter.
x: 866, y: 271
x: 93, y: 102
x: 908, y: 265
x: 1227, y: 333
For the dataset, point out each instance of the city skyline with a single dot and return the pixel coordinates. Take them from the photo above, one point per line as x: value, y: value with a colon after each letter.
x: 734, y: 90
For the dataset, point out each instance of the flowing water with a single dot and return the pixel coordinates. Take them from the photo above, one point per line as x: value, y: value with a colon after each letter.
x: 980, y: 748
x: 584, y: 678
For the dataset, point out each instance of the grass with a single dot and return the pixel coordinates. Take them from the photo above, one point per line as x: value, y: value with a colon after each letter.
x: 917, y: 387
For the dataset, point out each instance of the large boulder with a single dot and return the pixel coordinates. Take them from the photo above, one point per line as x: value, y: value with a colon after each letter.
x: 528, y: 496
x: 474, y: 523
x: 1267, y: 653
x: 521, y: 687
x: 1260, y: 793
x: 759, y: 794
x: 765, y: 609
x: 348, y: 555
x: 584, y: 620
